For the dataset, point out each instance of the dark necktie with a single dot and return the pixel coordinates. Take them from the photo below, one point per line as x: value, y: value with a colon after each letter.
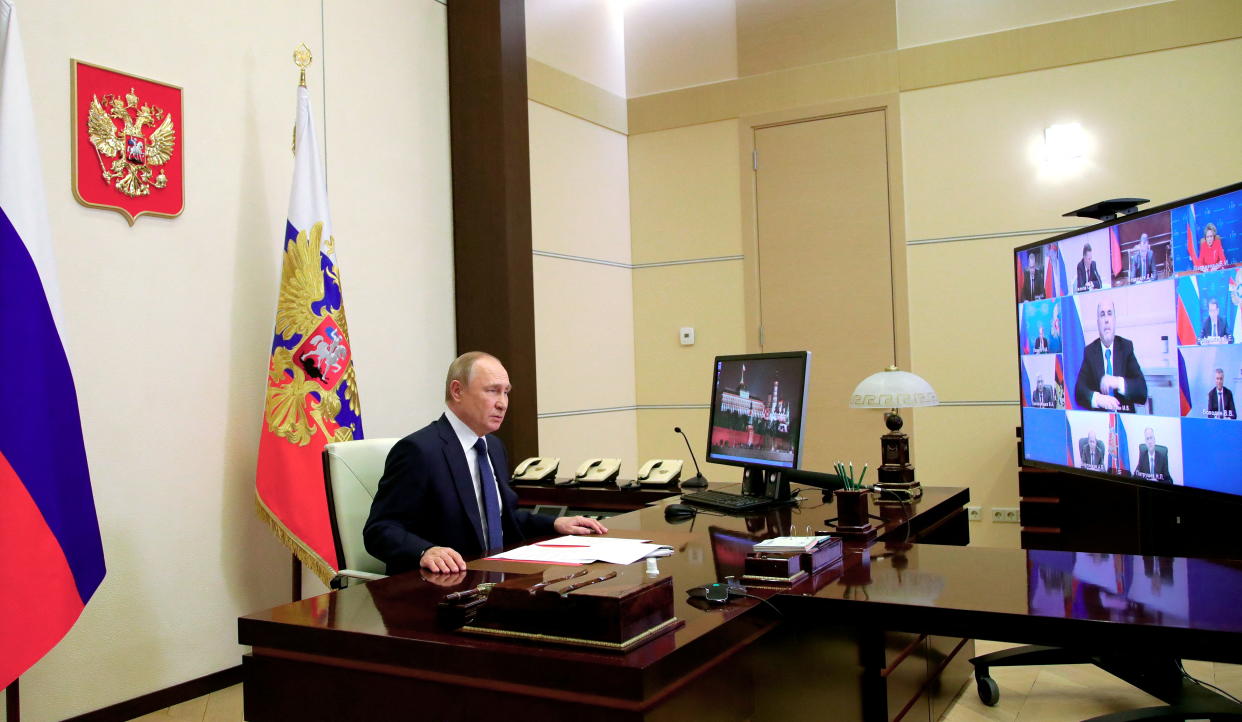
x: 1108, y: 361
x: 491, y: 500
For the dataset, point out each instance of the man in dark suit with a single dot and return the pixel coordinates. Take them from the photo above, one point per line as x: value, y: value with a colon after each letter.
x: 445, y: 491
x: 1142, y: 261
x: 1215, y: 329
x: 1091, y: 452
x: 1043, y: 396
x: 1041, y: 342
x: 1110, y: 377
x: 1220, y: 399
x: 1088, y: 275
x: 1157, y: 468
x: 1034, y: 281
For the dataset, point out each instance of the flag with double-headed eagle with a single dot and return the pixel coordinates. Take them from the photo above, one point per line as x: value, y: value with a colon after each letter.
x: 49, y: 533
x: 312, y: 392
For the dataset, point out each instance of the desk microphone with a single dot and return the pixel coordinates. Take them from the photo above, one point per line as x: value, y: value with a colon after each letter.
x: 698, y: 481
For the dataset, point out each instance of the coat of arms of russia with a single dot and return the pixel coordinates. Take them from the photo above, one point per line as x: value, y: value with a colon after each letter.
x: 311, y: 384
x: 126, y: 147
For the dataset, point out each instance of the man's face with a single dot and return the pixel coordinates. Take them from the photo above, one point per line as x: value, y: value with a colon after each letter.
x: 1039, y: 380
x: 1091, y: 438
x: 1150, y: 437
x: 1086, y: 258
x: 1143, y: 242
x: 1030, y: 263
x: 1220, y: 379
x: 1041, y: 331
x: 481, y: 403
x: 1213, y: 310
x: 1104, y: 320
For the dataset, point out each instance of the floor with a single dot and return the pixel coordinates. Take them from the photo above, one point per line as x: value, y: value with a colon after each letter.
x: 1028, y: 694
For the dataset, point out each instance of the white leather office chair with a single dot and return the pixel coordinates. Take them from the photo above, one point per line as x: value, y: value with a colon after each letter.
x: 351, y: 474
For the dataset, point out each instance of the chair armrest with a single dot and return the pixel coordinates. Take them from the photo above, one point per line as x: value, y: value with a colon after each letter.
x: 341, y: 580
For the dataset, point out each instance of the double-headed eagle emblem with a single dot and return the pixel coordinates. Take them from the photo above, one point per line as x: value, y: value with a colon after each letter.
x: 136, y: 152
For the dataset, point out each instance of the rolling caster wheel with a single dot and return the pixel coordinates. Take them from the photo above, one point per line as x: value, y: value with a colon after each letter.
x: 989, y: 693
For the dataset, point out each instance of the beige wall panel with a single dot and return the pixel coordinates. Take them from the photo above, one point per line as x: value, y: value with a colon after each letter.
x: 780, y: 34
x: 585, y: 38
x: 569, y: 94
x: 1088, y: 39
x: 574, y: 439
x: 824, y: 264
x: 579, y: 187
x: 398, y: 226
x: 706, y: 296
x: 972, y: 151
x: 922, y: 22
x: 584, y: 330
x: 962, y: 325
x: 672, y: 45
x: 971, y: 446
x: 172, y: 436
x: 657, y: 440
x: 813, y: 85
x: 684, y: 193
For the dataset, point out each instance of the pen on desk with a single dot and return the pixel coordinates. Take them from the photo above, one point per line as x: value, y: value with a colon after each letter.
x: 572, y: 587
x: 461, y: 595
x: 536, y: 587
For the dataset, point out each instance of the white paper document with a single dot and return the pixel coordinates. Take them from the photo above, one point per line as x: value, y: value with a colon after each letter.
x: 586, y: 549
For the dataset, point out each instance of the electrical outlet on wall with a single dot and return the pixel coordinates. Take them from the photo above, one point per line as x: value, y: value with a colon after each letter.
x: 1005, y: 514
x: 974, y: 513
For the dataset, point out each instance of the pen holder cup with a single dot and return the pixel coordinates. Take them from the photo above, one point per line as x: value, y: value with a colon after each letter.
x: 852, y: 508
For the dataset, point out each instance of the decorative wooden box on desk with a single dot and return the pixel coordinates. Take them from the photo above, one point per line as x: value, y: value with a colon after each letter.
x: 785, y: 568
x: 608, y: 607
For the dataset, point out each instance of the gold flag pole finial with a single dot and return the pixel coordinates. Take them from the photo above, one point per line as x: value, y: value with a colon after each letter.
x: 302, y: 59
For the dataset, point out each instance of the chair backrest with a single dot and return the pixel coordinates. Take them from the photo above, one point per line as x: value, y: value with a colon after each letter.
x: 351, y: 472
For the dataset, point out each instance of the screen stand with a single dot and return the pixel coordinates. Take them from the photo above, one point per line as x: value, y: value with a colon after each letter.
x: 768, y: 483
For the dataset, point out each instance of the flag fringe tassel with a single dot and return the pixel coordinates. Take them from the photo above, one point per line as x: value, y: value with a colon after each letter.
x: 308, y: 557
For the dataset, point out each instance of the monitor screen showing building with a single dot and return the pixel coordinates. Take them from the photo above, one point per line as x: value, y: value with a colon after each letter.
x: 757, y: 406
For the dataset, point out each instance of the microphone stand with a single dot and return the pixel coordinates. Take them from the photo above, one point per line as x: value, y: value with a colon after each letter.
x: 698, y: 481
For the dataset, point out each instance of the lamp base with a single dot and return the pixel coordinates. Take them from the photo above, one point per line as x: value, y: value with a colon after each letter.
x: 896, y: 475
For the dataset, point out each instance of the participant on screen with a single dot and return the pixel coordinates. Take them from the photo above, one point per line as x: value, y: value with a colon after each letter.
x: 1220, y: 400
x: 1153, y: 463
x: 1091, y: 452
x: 1215, y: 328
x: 1110, y: 377
x: 1211, y: 252
x: 1088, y: 274
x: 1142, y: 262
x: 1034, y: 287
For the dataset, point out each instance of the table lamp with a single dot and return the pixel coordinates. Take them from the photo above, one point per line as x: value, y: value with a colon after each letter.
x: 893, y: 389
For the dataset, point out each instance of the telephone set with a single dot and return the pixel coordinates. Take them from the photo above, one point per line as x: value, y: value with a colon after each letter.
x: 659, y: 472
x: 537, y: 469
x: 598, y: 471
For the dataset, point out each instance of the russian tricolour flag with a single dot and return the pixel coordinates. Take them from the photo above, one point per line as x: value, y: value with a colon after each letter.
x: 49, y: 534
x: 312, y: 392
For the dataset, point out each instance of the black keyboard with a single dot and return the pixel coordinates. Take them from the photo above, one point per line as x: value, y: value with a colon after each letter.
x: 726, y: 502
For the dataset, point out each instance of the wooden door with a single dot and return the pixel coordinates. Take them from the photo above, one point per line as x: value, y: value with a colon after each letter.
x: 825, y: 270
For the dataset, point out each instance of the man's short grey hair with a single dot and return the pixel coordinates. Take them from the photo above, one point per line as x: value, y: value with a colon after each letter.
x: 462, y: 369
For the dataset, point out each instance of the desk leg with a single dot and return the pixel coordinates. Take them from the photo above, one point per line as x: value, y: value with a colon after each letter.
x: 12, y: 702
x: 873, y: 685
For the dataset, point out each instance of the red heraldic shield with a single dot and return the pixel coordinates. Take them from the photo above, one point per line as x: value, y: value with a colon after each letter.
x: 128, y: 135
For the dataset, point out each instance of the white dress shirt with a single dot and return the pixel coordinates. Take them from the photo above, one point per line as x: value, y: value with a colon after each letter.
x: 467, y: 437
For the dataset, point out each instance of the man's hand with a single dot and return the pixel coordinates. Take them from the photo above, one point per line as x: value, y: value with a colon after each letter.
x: 445, y: 580
x: 1108, y: 403
x: 1108, y: 384
x: 578, y: 525
x: 442, y: 559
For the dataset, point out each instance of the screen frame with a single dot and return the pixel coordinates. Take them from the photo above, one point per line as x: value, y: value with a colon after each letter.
x: 805, y: 356
x: 1023, y: 461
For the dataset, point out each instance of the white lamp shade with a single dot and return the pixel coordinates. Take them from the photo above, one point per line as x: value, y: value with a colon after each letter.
x: 893, y: 389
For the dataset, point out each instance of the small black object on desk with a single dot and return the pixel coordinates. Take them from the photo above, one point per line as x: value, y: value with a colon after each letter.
x: 675, y: 512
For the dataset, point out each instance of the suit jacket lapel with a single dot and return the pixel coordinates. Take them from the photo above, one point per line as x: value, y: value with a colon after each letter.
x: 455, y: 457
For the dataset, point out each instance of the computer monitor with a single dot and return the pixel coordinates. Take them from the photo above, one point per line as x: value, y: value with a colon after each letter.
x: 758, y: 408
x: 1128, y: 346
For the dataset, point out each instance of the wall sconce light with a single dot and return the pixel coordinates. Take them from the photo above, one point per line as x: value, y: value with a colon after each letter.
x: 1064, y: 142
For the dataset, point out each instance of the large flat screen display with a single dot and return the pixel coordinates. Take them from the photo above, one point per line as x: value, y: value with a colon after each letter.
x: 758, y: 402
x: 1128, y: 342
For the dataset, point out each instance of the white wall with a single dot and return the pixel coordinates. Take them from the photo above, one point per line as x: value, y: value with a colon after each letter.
x: 169, y: 322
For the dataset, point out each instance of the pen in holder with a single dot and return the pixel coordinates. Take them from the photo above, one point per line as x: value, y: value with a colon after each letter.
x: 853, y: 519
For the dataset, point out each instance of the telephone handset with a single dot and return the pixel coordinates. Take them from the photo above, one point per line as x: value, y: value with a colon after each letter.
x: 659, y: 472
x: 598, y: 471
x: 537, y: 469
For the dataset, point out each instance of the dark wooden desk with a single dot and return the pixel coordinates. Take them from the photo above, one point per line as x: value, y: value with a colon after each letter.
x: 373, y: 650
x: 1144, y: 608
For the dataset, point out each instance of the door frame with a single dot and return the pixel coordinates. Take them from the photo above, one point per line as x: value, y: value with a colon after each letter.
x: 747, y: 125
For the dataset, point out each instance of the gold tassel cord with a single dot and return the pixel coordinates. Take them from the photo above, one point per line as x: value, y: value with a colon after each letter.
x: 305, y: 554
